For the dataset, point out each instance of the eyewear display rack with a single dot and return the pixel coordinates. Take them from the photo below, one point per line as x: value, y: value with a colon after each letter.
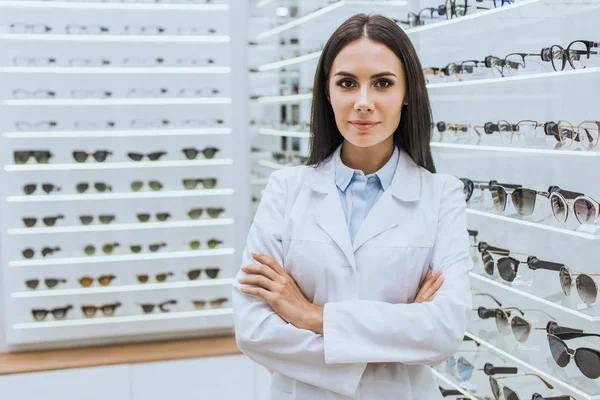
x: 123, y: 147
x: 528, y: 95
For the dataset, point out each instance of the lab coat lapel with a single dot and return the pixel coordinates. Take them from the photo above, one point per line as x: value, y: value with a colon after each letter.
x: 391, y: 207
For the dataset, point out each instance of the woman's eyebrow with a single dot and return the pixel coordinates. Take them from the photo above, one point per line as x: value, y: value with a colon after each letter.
x: 379, y: 75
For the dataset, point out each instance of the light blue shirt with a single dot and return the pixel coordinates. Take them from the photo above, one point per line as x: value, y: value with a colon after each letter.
x: 358, y: 192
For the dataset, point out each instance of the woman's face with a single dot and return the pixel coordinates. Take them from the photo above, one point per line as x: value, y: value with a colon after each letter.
x: 367, y: 89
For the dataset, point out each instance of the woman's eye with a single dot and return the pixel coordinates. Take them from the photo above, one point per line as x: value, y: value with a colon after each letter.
x: 384, y: 83
x: 346, y: 84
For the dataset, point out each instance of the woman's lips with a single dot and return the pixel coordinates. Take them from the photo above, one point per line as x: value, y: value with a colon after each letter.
x: 363, y: 126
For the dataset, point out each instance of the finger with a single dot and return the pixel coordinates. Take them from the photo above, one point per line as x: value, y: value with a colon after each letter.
x: 432, y: 290
x: 257, y: 292
x: 428, y: 282
x: 269, y: 261
x: 261, y: 269
x: 258, y: 280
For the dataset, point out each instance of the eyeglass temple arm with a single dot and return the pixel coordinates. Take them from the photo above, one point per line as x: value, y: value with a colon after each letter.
x: 489, y: 369
x: 506, y: 185
x: 534, y: 263
x: 569, y: 336
x: 537, y: 396
x: 569, y: 195
x: 449, y: 392
x: 492, y: 249
x: 490, y: 296
x: 548, y: 385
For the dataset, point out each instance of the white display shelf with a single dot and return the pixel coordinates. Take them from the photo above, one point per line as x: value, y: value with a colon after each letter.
x: 121, y: 227
x: 453, y: 385
x: 118, y: 102
x: 262, y: 3
x: 580, y: 393
x: 163, y: 316
x: 117, y: 133
x: 117, y: 38
x: 125, y: 257
x: 116, y: 165
x: 285, y: 99
x: 583, y: 235
x: 82, y: 5
x: 259, y: 181
x: 326, y: 10
x: 271, y: 164
x: 516, y: 149
x: 534, y: 297
x: 279, y: 132
x: 289, y: 61
x: 166, y: 194
x: 142, y: 287
x: 115, y: 70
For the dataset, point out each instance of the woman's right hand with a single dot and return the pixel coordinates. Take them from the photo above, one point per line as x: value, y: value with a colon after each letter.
x: 431, y: 284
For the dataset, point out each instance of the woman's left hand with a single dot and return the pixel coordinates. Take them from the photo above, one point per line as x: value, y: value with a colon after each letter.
x: 272, y: 284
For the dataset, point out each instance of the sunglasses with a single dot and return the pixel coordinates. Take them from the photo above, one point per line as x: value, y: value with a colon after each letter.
x: 537, y: 396
x: 143, y: 278
x: 212, y: 243
x: 81, y: 156
x: 108, y: 248
x: 40, y: 156
x: 145, y: 217
x: 149, y: 307
x: 136, y: 248
x: 102, y: 187
x: 40, y: 314
x: 191, y: 153
x: 48, y: 221
x: 103, y: 280
x: 216, y: 303
x: 212, y: 212
x: 210, y: 272
x: 503, y: 392
x: 463, y: 368
x: 207, y: 183
x: 523, y: 199
x: 136, y: 186
x: 35, y: 126
x: 585, y: 209
x: 587, y: 288
x: 151, y: 156
x: 104, y: 219
x: 29, y: 252
x: 107, y: 309
x: 46, y: 187
x: 50, y: 283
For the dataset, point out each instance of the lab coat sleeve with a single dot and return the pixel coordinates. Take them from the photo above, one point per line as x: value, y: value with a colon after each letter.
x: 417, y: 333
x: 262, y: 334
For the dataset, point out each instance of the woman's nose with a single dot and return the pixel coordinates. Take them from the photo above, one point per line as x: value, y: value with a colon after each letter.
x: 364, y: 103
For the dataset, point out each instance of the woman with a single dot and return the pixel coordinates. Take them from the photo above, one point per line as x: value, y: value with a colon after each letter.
x: 336, y: 294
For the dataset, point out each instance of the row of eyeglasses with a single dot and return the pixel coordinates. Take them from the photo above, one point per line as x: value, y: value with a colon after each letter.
x: 24, y: 94
x: 95, y: 29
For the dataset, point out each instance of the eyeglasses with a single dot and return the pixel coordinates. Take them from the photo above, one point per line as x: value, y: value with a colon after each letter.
x: 19, y: 27
x: 108, y: 248
x: 503, y: 392
x: 149, y: 307
x: 202, y: 123
x: 194, y: 274
x: 417, y: 19
x: 136, y: 186
x: 587, y: 288
x: 76, y: 29
x: 586, y: 359
x: 30, y: 188
x: 207, y: 183
x: 586, y: 133
x: 104, y: 219
x: 195, y: 30
x: 143, y: 92
x: 143, y: 30
x: 90, y: 94
x: 143, y: 278
x: 35, y: 94
x: 100, y: 155
x: 537, y: 396
x: 29, y: 252
x: 149, y: 123
x: 192, y: 92
x: 463, y: 368
x: 216, y: 303
x: 107, y: 309
x: 467, y: 67
x: 523, y: 199
x: 33, y: 61
x: 577, y: 54
x: 94, y: 125
x: 40, y: 314
x: 40, y: 156
x: 212, y: 212
x: 154, y: 247
x: 145, y: 217
x: 191, y: 153
x: 525, y: 130
x: 48, y: 221
x: 50, y: 282
x: 515, y: 62
x: 103, y: 280
x: 151, y: 156
x: 102, y: 187
x: 88, y: 62
x: 35, y: 126
x: 470, y: 186
x: 212, y: 243
x: 585, y: 209
x: 194, y: 61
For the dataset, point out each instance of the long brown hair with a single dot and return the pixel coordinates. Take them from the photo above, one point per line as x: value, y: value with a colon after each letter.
x: 414, y: 131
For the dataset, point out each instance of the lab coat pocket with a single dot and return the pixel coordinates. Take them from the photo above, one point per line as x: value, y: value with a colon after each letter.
x: 282, y: 387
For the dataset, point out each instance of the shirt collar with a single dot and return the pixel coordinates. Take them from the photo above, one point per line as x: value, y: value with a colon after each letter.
x: 344, y: 174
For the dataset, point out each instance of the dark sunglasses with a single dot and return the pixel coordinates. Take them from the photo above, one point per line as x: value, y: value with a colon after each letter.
x: 29, y: 252
x: 50, y: 282
x: 102, y: 187
x: 103, y: 280
x: 104, y: 219
x: 151, y: 156
x: 212, y: 212
x: 99, y: 155
x: 470, y: 186
x: 108, y: 248
x: 207, y: 183
x: 194, y: 274
x: 191, y: 153
x: 503, y: 392
x: 149, y: 307
x: 40, y: 314
x: 46, y: 187
x: 537, y: 396
x: 40, y: 156
x: 136, y: 186
x: 145, y: 217
x: 143, y: 278
x: 136, y: 248
x: 48, y: 221
x: 107, y: 309
x: 212, y: 243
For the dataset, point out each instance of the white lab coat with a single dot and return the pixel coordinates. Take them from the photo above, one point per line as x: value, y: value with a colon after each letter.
x: 367, y: 288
